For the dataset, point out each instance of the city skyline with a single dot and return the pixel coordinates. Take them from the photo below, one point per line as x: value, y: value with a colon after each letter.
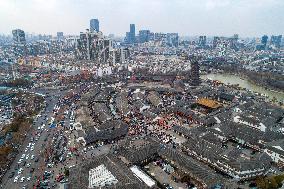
x: 188, y: 18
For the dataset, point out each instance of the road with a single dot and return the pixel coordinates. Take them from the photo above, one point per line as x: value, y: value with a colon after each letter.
x: 56, y: 141
x: 8, y: 183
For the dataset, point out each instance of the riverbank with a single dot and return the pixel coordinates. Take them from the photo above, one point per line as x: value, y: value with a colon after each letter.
x: 256, y: 82
x: 243, y: 82
x: 268, y: 80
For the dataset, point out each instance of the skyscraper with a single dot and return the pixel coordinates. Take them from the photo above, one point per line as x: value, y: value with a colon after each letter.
x: 144, y: 36
x: 160, y: 36
x: 94, y: 25
x: 236, y: 37
x: 127, y: 37
x: 60, y: 36
x: 276, y: 40
x: 172, y: 39
x: 264, y: 40
x: 93, y: 46
x: 132, y: 33
x: 19, y: 36
x: 202, y: 41
x: 216, y: 41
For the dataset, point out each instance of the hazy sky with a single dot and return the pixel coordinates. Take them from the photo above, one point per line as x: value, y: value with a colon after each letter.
x: 187, y: 17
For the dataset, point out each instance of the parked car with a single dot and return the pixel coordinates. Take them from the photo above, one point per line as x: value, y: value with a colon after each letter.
x: 16, y: 178
x: 22, y: 179
x: 11, y: 174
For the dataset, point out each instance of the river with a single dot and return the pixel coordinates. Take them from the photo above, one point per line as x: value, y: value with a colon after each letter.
x: 244, y: 83
x: 3, y: 88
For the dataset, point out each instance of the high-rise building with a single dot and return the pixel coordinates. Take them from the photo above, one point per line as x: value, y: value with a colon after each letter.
x: 151, y: 36
x: 216, y: 41
x: 93, y: 46
x: 119, y: 55
x: 236, y: 37
x: 276, y: 40
x: 19, y: 36
x: 160, y: 36
x: 263, y: 45
x: 60, y: 36
x: 144, y: 36
x: 172, y: 39
x: 233, y: 42
x: 202, y: 41
x: 264, y: 40
x: 127, y: 37
x: 132, y: 33
x: 130, y: 36
x: 94, y: 25
x: 195, y: 77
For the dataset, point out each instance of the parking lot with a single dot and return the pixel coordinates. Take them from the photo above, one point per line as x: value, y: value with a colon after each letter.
x: 30, y: 161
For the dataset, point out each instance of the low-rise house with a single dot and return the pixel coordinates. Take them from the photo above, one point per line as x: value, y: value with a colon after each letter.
x: 275, y: 150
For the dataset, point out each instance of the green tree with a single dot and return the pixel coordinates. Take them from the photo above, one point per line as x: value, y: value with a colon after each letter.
x: 272, y: 183
x: 279, y: 179
x: 261, y: 182
x: 66, y: 172
x: 186, y: 179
